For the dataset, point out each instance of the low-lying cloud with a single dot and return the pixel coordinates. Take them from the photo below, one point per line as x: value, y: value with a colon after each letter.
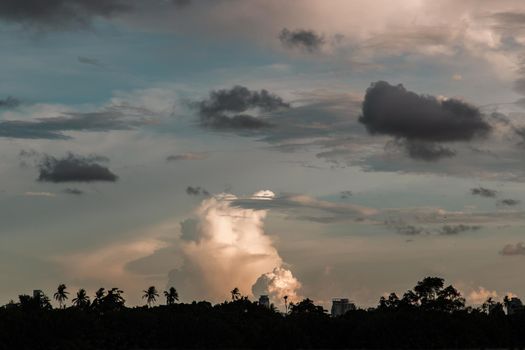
x: 233, y: 108
x: 427, y: 151
x: 421, y: 120
x: 59, y: 14
x: 9, y: 102
x: 508, y: 202
x: 197, y: 191
x: 483, y: 192
x: 307, y: 40
x: 513, y: 249
x: 53, y: 128
x: 74, y: 168
x: 73, y: 191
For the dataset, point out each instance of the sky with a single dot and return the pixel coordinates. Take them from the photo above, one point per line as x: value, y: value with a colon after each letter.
x: 309, y: 148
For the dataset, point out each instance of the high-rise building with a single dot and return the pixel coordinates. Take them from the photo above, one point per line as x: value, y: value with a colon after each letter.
x: 514, y: 305
x: 341, y: 306
x: 264, y: 300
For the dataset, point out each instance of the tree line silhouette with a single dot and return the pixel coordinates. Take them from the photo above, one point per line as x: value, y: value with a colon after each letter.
x: 430, y: 315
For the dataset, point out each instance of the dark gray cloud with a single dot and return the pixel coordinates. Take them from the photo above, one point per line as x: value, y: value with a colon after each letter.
x: 74, y: 191
x: 410, y: 230
x: 59, y: 14
x: 304, y: 39
x: 74, y: 168
x: 395, y: 111
x: 483, y: 192
x: 404, y: 228
x: 427, y: 151
x: 197, y: 191
x: 509, y: 202
x: 346, y: 194
x: 457, y: 229
x: 513, y: 249
x: 90, y: 61
x: 228, y: 109
x: 113, y: 118
x: 9, y: 102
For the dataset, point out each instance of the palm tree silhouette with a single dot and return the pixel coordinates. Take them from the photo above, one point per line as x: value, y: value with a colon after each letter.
x: 99, y: 297
x: 235, y: 293
x: 113, y: 300
x: 61, y: 295
x: 285, y: 304
x: 81, y: 300
x: 171, y: 296
x: 150, y: 295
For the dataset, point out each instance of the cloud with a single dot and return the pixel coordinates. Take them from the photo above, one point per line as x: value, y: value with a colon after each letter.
x: 59, y: 14
x: 107, y: 264
x: 90, y: 61
x: 74, y: 168
x: 74, y: 191
x: 483, y: 192
x: 346, y: 194
x: 197, y: 191
x: 395, y: 111
x: 9, y: 102
x: 277, y: 284
x: 227, y: 109
x: 513, y: 249
x: 307, y: 40
x: 291, y: 204
x: 187, y: 156
x: 53, y: 128
x: 426, y: 151
x: 509, y: 202
x: 400, y: 225
x: 457, y: 229
x: 226, y: 247
x: 403, y: 228
x: 479, y: 296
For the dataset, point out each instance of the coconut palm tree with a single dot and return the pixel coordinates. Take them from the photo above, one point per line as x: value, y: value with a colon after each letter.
x: 81, y: 300
x: 150, y: 295
x: 61, y: 295
x: 99, y: 297
x: 113, y: 299
x: 171, y: 296
x: 236, y: 295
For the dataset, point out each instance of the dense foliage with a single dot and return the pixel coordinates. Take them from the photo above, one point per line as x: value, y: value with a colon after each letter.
x: 429, y: 316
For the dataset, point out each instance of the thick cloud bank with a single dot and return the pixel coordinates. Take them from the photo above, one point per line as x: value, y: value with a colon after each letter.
x: 74, y: 168
x: 393, y: 110
x: 301, y: 38
x: 233, y: 108
x: 59, y: 13
x: 226, y: 247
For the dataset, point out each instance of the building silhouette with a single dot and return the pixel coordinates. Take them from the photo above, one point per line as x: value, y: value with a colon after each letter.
x: 514, y: 305
x: 264, y: 300
x: 341, y: 306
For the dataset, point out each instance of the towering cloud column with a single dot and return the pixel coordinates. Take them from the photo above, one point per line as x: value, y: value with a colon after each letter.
x: 226, y: 247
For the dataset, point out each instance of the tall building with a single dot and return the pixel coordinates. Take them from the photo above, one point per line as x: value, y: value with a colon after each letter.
x: 514, y: 305
x: 264, y: 301
x: 341, y: 306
